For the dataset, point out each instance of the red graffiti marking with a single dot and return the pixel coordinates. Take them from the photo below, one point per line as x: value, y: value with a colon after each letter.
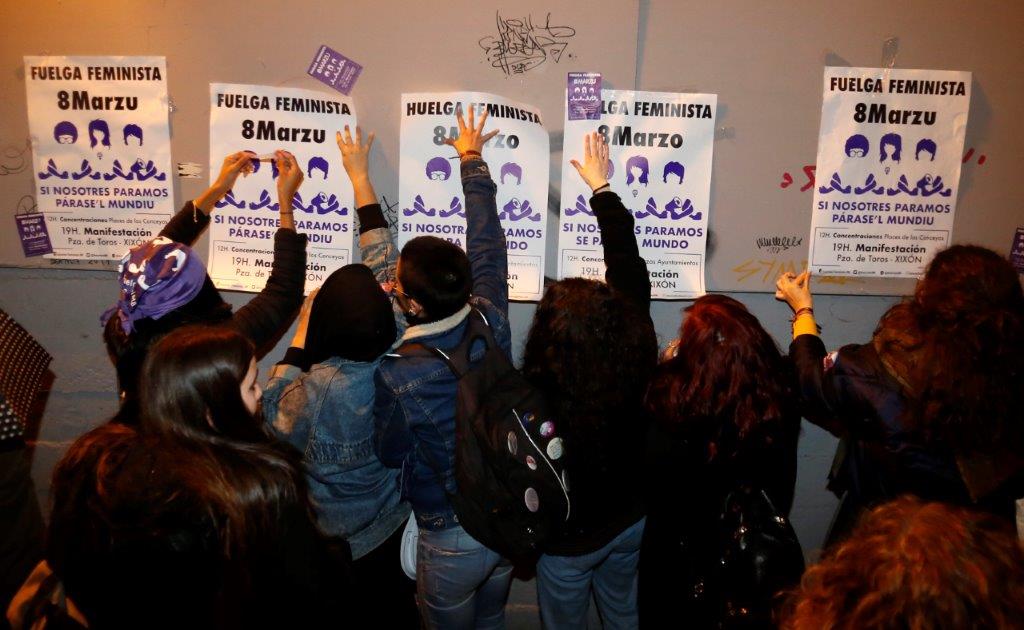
x: 809, y: 172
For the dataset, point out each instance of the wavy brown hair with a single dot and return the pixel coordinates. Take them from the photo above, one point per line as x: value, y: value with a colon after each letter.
x: 726, y: 368
x: 964, y: 328
x: 915, y: 565
x: 591, y: 351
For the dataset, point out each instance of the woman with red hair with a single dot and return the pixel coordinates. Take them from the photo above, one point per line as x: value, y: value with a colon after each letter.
x: 725, y: 423
x: 910, y: 564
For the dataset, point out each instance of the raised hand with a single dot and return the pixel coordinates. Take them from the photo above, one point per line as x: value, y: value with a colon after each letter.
x: 471, y: 136
x: 355, y: 157
x: 234, y: 164
x: 354, y: 154
x: 795, y: 290
x: 594, y: 169
x: 289, y: 178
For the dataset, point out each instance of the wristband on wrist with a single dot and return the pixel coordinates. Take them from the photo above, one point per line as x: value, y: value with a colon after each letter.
x: 470, y: 153
x: 805, y: 310
x: 602, y: 188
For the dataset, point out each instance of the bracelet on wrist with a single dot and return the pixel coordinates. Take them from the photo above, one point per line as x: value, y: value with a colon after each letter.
x: 470, y: 153
x: 805, y: 310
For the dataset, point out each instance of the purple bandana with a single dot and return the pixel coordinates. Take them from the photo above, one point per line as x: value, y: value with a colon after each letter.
x: 157, y: 277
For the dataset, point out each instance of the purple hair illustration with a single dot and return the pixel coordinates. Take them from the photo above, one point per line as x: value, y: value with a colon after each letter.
x: 611, y: 170
x: 132, y: 131
x: 893, y: 140
x: 99, y: 126
x: 638, y: 162
x: 65, y: 133
x: 926, y: 145
x: 856, y: 146
x: 512, y: 170
x: 439, y: 169
x: 317, y: 162
x: 673, y: 168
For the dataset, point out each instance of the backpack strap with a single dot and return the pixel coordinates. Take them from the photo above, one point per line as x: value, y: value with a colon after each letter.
x: 457, y: 358
x: 477, y: 329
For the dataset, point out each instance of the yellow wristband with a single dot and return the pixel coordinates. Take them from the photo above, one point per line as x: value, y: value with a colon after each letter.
x: 804, y: 325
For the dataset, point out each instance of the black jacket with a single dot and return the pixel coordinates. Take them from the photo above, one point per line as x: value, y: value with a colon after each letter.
x: 606, y: 486
x: 264, y: 316
x: 852, y: 395
x: 261, y: 320
x: 687, y: 491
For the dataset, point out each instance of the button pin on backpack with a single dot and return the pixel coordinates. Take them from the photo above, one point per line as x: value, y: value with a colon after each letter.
x: 555, y: 448
x: 532, y: 500
x: 513, y: 443
x: 531, y: 462
x: 547, y: 429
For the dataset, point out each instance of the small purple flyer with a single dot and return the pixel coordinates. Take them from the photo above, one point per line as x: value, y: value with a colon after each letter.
x: 35, y: 240
x: 334, y: 69
x: 584, y: 91
x: 1017, y: 250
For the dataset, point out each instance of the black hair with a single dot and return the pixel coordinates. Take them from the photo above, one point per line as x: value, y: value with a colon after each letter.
x: 436, y: 274
x: 592, y: 352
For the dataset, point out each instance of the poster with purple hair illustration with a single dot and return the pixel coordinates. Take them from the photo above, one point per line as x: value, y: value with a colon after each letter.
x: 430, y: 197
x: 660, y: 148
x: 888, y: 170
x: 261, y: 119
x: 99, y: 188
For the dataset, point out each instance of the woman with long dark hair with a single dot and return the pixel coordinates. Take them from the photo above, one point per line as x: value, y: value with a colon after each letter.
x: 724, y: 421
x: 591, y: 349
x: 200, y: 397
x: 933, y: 405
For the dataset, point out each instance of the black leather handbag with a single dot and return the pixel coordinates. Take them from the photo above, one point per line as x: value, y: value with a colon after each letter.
x: 760, y: 556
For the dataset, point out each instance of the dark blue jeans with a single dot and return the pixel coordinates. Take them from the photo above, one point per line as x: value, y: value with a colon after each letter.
x: 564, y: 584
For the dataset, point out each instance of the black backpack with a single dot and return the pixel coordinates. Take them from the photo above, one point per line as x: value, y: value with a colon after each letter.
x: 512, y: 486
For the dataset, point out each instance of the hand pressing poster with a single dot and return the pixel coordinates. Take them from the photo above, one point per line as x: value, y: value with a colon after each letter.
x: 261, y: 120
x: 102, y: 152
x: 430, y: 185
x: 660, y: 148
x: 888, y: 169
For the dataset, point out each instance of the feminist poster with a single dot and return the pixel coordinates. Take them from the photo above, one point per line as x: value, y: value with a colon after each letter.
x: 261, y: 120
x: 101, y: 150
x: 888, y: 169
x: 430, y: 186
x: 660, y: 149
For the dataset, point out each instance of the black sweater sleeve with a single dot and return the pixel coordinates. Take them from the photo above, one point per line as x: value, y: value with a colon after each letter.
x: 626, y: 268
x: 186, y: 226
x: 371, y: 217
x: 266, y: 314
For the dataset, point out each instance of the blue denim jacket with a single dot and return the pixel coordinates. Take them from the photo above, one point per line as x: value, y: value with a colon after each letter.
x: 327, y: 413
x: 415, y: 407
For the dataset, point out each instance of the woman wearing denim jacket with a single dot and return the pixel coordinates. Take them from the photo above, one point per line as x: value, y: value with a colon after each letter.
x: 320, y: 399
